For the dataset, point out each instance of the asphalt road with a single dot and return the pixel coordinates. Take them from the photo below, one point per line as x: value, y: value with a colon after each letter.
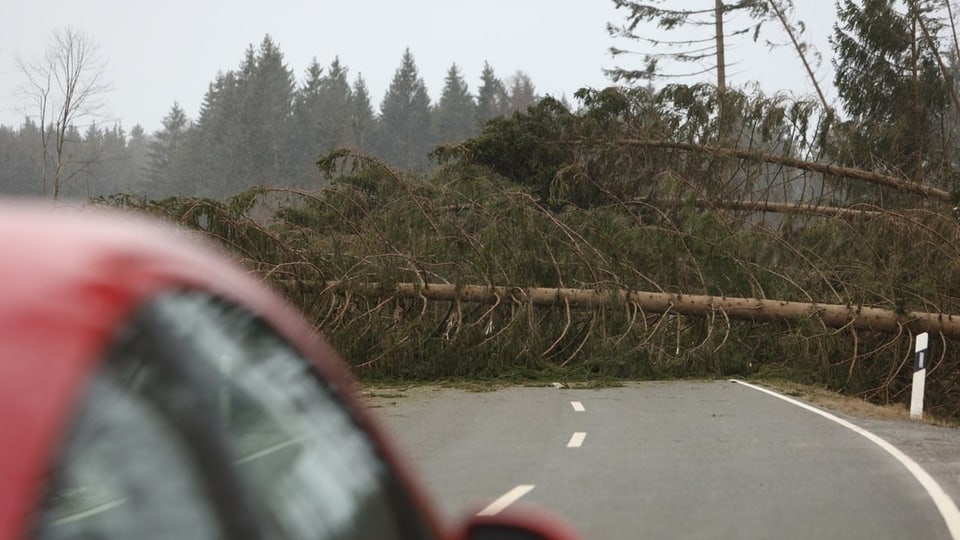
x: 671, y: 460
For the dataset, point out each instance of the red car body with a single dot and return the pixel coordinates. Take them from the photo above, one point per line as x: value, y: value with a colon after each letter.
x: 68, y: 280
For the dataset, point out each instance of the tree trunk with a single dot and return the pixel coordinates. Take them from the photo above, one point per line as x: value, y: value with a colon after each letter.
x: 822, y: 168
x: 766, y: 206
x: 799, y: 49
x: 721, y: 69
x: 748, y: 309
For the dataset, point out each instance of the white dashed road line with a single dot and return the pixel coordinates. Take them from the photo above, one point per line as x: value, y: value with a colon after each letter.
x: 506, y: 500
x: 512, y: 496
x: 576, y: 440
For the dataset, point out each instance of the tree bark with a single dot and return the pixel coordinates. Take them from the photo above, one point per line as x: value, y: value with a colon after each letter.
x: 747, y: 309
x: 766, y: 206
x: 778, y: 11
x: 823, y: 168
x: 721, y: 67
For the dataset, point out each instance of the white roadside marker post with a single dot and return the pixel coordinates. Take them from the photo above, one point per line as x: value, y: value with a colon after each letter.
x: 919, y: 376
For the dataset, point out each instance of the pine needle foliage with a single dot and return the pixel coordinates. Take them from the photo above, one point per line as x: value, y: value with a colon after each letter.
x: 553, y: 198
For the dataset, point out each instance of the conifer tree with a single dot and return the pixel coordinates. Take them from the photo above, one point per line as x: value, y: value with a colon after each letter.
x: 161, y: 150
x: 323, y: 114
x: 111, y: 173
x: 307, y: 121
x: 405, y: 134
x: 214, y: 147
x: 306, y: 103
x: 889, y: 81
x: 363, y: 121
x: 20, y: 164
x: 523, y: 93
x: 137, y: 160
x: 245, y: 130
x: 491, y: 97
x: 266, y: 91
x: 335, y: 97
x: 456, y: 112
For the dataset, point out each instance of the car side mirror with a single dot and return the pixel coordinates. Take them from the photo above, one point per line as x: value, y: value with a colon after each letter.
x: 524, y: 525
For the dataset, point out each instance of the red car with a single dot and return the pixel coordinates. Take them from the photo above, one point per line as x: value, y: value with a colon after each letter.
x: 150, y: 388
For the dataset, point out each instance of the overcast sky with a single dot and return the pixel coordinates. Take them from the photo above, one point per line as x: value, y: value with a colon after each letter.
x: 161, y: 52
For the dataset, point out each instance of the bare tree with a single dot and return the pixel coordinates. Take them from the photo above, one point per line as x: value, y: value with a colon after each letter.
x: 64, y: 88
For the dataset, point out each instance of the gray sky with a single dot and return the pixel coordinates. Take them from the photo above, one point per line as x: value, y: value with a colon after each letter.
x: 161, y: 52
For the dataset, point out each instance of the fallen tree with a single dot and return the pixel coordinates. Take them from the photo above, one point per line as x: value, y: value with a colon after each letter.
x: 357, y: 257
x: 767, y: 206
x: 853, y: 173
x: 749, y: 309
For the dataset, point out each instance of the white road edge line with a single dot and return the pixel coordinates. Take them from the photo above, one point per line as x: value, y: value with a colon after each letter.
x: 506, y: 500
x: 576, y: 440
x: 577, y: 406
x: 946, y: 506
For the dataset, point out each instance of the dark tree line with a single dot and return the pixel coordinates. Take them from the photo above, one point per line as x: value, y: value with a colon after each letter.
x: 103, y: 160
x: 259, y: 125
